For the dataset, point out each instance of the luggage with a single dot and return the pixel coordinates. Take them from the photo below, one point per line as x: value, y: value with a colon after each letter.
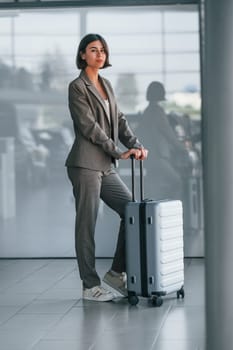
x: 193, y: 219
x: 154, y: 247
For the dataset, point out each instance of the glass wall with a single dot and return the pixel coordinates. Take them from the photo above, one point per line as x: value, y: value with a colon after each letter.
x: 155, y: 73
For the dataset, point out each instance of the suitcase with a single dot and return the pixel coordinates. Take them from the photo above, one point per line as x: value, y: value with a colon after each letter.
x: 193, y: 219
x: 154, y: 247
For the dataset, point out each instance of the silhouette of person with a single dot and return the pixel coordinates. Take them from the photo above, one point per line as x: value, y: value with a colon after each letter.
x: 168, y: 160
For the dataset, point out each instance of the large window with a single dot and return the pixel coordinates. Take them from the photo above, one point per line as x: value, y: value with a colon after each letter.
x: 37, y: 62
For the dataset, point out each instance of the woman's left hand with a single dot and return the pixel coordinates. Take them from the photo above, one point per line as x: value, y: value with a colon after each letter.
x: 144, y: 153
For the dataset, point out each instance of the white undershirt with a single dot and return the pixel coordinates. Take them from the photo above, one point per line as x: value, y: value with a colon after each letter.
x: 108, y: 108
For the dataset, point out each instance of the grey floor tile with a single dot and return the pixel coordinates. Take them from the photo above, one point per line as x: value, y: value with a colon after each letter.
x: 29, y: 286
x: 6, y: 262
x: 83, y: 323
x: 137, y: 339
x: 186, y: 325
x: 6, y: 312
x: 61, y: 294
x: 5, y: 285
x: 48, y: 307
x: 9, y: 298
x: 74, y: 333
x: 12, y: 275
x: 54, y: 270
x: 193, y: 298
x: 202, y: 345
x: 187, y: 261
x: 197, y: 261
x: 19, y: 339
x: 47, y: 273
x: 30, y: 322
x: 22, y: 269
x: 136, y: 317
x: 194, y: 286
x: 70, y: 281
x: 61, y: 345
x: 186, y: 314
x: 175, y: 345
x: 40, y: 302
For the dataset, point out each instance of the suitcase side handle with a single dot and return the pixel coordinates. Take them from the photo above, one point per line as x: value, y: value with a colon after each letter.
x: 133, y: 179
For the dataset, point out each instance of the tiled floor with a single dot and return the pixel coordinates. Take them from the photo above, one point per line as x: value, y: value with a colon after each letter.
x: 41, y: 309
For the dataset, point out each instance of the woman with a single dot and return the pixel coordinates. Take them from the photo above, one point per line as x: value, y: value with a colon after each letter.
x: 98, y: 124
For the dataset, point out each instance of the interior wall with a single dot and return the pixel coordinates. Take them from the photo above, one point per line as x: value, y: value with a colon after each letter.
x: 37, y: 63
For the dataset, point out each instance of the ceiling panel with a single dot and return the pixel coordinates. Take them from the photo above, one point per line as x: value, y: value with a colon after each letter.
x: 17, y: 4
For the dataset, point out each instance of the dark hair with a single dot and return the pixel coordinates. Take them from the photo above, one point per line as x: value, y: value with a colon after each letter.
x: 155, y: 91
x: 87, y: 39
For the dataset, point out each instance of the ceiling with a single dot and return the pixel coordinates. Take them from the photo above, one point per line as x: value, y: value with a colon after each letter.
x: 20, y: 4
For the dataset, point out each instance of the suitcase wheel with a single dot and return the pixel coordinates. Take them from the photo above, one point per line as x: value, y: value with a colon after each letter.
x: 133, y: 299
x: 180, y: 293
x: 156, y: 301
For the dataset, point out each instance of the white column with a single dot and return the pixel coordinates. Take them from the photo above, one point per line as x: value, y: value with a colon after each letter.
x: 7, y: 178
x: 218, y: 171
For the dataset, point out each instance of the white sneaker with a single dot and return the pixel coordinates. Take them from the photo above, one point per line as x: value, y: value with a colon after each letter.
x: 97, y: 293
x: 116, y: 281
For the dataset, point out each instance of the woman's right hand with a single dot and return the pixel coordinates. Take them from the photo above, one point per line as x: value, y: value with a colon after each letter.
x: 132, y: 151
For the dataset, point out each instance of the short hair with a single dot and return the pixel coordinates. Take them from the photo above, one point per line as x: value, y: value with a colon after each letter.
x: 155, y: 91
x: 87, y: 39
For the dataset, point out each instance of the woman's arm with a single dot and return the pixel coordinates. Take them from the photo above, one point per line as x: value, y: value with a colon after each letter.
x: 85, y: 122
x: 129, y: 140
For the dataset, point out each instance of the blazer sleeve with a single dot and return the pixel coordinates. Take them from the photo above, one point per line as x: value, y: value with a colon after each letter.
x: 84, y: 120
x: 126, y: 135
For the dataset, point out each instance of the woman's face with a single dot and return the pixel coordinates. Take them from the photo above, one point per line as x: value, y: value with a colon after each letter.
x: 94, y: 55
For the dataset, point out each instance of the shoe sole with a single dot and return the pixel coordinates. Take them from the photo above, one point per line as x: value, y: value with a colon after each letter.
x: 98, y: 300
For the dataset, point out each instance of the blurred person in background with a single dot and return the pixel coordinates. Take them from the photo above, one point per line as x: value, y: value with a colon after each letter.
x: 169, y: 160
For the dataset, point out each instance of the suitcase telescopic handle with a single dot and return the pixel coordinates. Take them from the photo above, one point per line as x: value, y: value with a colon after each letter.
x: 133, y: 179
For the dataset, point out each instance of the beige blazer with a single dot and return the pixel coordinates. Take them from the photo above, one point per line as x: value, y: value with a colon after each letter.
x: 96, y: 136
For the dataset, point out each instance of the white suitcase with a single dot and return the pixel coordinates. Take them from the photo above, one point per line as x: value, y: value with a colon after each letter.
x: 154, y: 249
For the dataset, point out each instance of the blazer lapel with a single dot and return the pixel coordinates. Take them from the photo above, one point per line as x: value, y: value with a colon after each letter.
x: 110, y: 99
x: 93, y: 90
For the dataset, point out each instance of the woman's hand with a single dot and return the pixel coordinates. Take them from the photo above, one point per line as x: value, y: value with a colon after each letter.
x: 144, y: 153
x: 138, y: 153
